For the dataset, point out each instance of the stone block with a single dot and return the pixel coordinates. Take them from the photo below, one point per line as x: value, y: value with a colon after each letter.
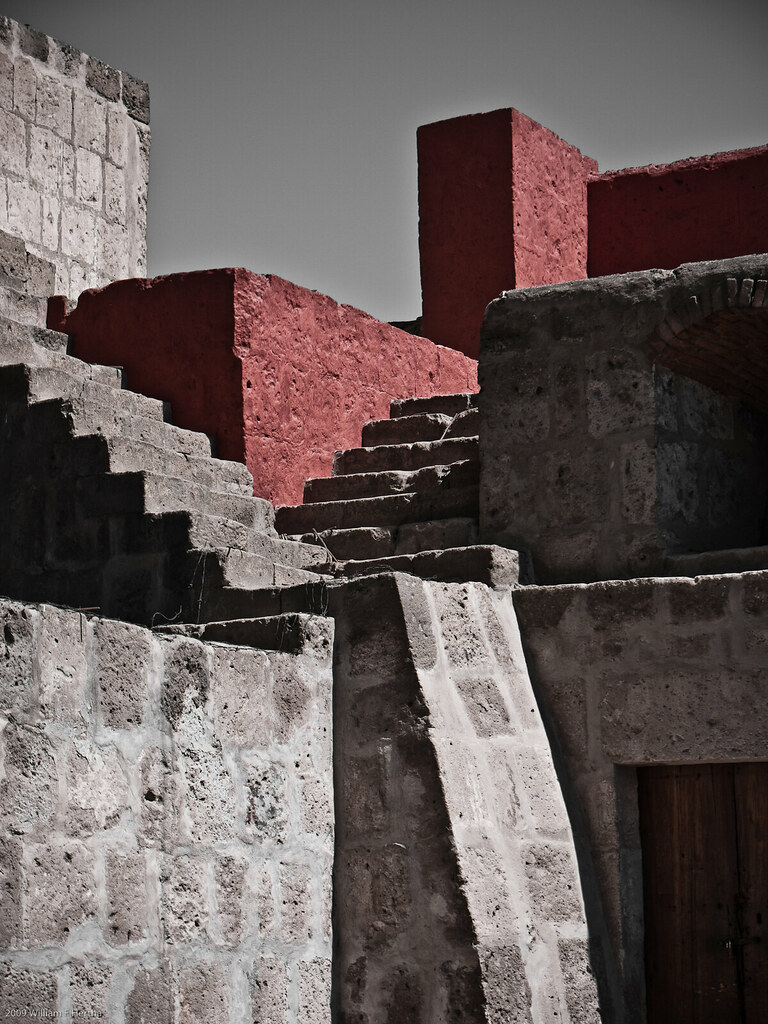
x: 17, y: 681
x: 612, y: 605
x: 704, y: 599
x: 240, y: 705
x: 33, y: 43
x: 112, y: 247
x: 269, y: 992
x: 403, y: 993
x: 316, y: 803
x: 231, y: 871
x: 506, y: 988
x: 292, y: 692
x: 151, y: 999
x: 114, y: 193
x: 126, y: 888
x: 102, y: 79
x: 262, y: 890
x: 553, y: 882
x: 376, y: 895
x: 637, y: 464
x: 25, y: 214
x: 122, y: 663
x: 6, y: 82
x: 24, y: 89
x: 315, y: 991
x: 10, y: 893
x: 184, y: 899
x: 537, y: 779
x: 98, y: 790
x: 90, y: 122
x: 89, y: 987
x: 53, y: 107
x: 462, y: 640
x: 89, y: 180
x: 51, y: 230
x: 297, y: 919
x: 30, y: 786
x: 203, y: 994
x: 418, y: 622
x: 78, y: 233
x: 619, y: 392
x: 186, y: 677
x: 580, y: 987
x: 116, y: 128
x: 13, y: 154
x: 61, y: 891
x: 159, y: 798
x: 136, y: 98
x: 365, y: 796
x: 66, y: 59
x: 63, y: 666
x: 485, y: 706
x: 26, y: 993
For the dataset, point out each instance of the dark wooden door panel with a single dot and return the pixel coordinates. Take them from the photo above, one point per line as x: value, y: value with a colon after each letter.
x: 704, y: 832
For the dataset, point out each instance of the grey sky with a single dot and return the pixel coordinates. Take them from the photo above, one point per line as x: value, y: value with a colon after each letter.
x: 284, y: 133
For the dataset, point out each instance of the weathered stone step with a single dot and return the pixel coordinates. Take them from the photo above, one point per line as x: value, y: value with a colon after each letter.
x: 449, y: 405
x: 368, y: 485
x: 23, y: 343
x: 119, y: 493
x: 24, y: 309
x: 465, y: 424
x: 422, y: 427
x: 406, y: 457
x: 102, y: 385
x: 385, y: 511
x: 367, y: 542
x: 96, y: 454
x: 496, y: 567
x: 246, y: 570
x: 113, y: 420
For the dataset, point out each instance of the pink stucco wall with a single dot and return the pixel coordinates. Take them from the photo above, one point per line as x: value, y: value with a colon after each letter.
x: 279, y: 375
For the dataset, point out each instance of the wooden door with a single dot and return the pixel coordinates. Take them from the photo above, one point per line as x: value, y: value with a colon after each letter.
x: 704, y: 833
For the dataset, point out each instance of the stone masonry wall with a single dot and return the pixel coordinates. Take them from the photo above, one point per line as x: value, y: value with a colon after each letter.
x: 167, y: 823
x: 594, y: 459
x: 74, y: 164
x: 636, y: 673
x: 456, y: 885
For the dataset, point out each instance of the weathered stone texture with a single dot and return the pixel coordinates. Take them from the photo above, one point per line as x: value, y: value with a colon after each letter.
x: 600, y: 462
x: 142, y: 871
x: 456, y: 873
x: 632, y: 673
x: 75, y: 143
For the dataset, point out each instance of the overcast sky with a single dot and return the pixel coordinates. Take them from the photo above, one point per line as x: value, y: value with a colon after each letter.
x: 284, y: 132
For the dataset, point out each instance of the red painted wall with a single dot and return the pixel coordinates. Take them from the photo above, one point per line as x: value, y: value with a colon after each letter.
x: 705, y: 208
x: 502, y: 204
x: 281, y: 376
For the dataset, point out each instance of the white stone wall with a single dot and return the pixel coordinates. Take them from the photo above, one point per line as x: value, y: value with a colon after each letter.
x: 167, y: 831
x: 74, y: 164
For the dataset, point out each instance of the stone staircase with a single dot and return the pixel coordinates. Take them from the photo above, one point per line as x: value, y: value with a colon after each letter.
x: 109, y: 505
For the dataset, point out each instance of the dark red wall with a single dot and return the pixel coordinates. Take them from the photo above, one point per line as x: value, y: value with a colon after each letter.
x: 281, y: 376
x: 502, y: 204
x: 705, y: 208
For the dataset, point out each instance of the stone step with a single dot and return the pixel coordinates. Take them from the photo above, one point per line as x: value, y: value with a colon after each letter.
x: 406, y: 457
x: 37, y: 343
x: 139, y: 491
x: 496, y: 567
x: 367, y: 542
x: 112, y: 420
x: 394, y: 509
x: 465, y: 424
x: 24, y: 309
x: 126, y: 455
x: 426, y: 426
x: 367, y: 485
x: 449, y: 405
x: 50, y: 383
x: 247, y: 570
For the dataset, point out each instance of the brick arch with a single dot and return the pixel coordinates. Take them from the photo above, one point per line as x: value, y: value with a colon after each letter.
x: 720, y: 338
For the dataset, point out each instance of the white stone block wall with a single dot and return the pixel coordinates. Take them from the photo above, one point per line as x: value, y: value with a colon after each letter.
x: 167, y: 830
x: 74, y: 164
